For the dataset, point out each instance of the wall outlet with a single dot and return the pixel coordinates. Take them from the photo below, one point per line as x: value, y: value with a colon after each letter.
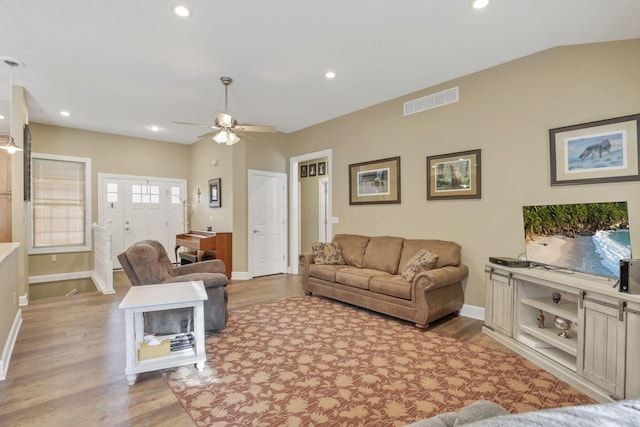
x: 54, y: 258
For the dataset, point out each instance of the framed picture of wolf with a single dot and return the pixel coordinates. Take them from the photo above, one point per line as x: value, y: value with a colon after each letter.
x: 454, y: 176
x: 601, y: 151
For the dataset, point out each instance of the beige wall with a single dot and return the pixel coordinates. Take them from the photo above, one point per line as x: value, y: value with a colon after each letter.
x: 19, y: 116
x: 109, y: 153
x: 505, y: 111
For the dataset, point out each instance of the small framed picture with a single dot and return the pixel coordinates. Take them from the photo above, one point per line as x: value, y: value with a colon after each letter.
x: 303, y: 171
x: 312, y: 169
x: 215, y: 193
x: 322, y: 168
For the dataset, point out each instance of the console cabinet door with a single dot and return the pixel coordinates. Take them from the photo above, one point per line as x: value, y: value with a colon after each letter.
x: 499, y: 305
x: 601, y: 353
x: 632, y: 377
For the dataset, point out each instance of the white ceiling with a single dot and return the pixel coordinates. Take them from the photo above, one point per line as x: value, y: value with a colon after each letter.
x: 120, y: 66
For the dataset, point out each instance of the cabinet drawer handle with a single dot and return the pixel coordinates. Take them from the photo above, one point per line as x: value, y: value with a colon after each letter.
x: 620, y: 306
x: 500, y: 273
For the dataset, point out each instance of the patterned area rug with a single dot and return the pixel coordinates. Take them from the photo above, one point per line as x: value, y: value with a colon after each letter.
x: 309, y: 361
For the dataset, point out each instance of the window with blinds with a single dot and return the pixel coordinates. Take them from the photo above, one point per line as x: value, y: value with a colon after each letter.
x: 61, y: 204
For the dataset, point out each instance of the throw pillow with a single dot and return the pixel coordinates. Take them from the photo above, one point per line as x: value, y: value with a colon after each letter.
x: 326, y: 253
x: 423, y: 260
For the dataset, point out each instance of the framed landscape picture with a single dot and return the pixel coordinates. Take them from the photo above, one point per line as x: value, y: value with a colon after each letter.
x: 595, y: 152
x: 454, y: 176
x: 374, y: 182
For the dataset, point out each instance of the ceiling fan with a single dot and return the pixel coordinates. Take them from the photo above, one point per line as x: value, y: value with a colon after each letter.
x: 226, y: 128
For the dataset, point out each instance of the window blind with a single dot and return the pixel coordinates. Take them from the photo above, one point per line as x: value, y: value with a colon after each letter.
x: 59, y: 203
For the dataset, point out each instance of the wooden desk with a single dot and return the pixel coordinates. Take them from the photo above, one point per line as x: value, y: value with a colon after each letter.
x: 202, y: 241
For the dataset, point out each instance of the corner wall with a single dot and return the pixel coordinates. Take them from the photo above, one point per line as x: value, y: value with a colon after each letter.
x: 506, y: 111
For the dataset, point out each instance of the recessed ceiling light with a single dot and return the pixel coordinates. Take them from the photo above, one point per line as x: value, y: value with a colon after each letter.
x: 330, y: 75
x: 478, y: 4
x: 65, y: 113
x: 154, y: 128
x: 182, y: 11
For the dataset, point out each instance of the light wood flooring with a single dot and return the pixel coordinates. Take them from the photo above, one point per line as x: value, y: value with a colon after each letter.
x: 67, y: 367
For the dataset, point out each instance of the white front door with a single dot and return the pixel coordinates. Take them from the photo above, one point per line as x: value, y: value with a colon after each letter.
x: 142, y: 208
x: 267, y: 223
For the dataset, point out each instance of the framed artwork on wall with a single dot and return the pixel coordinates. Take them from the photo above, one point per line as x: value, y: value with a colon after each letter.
x: 215, y: 193
x: 596, y: 152
x: 322, y: 168
x: 454, y: 176
x: 375, y: 182
x: 303, y: 171
x: 312, y: 169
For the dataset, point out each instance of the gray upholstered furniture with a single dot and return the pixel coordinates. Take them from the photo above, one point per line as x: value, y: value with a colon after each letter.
x: 371, y: 277
x: 625, y: 413
x: 147, y: 263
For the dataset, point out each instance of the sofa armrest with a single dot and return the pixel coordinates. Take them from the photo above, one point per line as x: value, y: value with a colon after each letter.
x: 305, y: 260
x: 210, y: 266
x: 440, y: 277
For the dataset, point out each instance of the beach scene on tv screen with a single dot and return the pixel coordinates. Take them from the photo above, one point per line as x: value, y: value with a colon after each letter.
x: 590, y: 238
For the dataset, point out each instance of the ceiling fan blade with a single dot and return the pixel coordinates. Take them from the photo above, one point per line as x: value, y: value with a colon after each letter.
x: 197, y: 124
x: 251, y: 128
x: 209, y: 134
x: 244, y: 135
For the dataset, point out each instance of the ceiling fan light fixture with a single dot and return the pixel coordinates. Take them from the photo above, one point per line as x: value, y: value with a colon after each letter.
x: 232, y: 138
x: 220, y: 137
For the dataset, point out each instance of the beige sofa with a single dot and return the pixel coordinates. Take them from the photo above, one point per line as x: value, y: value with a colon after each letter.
x: 371, y: 277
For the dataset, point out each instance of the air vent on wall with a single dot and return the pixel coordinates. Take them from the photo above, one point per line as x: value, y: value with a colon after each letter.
x: 434, y: 100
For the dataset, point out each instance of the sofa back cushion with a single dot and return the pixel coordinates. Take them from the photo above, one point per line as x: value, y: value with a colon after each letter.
x: 353, y: 247
x: 449, y: 253
x: 383, y: 253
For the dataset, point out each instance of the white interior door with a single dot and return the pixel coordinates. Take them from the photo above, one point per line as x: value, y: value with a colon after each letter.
x: 142, y: 208
x: 267, y: 223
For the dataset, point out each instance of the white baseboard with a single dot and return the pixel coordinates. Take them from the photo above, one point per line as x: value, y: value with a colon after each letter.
x: 9, y: 344
x: 45, y: 278
x: 472, y: 311
x: 240, y: 275
x: 23, y: 300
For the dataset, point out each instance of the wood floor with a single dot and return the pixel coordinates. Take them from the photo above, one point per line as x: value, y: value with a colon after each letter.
x: 67, y: 367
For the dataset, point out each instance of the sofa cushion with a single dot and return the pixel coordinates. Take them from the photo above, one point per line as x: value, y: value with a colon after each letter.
x: 394, y: 286
x: 357, y: 277
x: 383, y: 253
x: 449, y: 253
x: 353, y: 247
x: 324, y: 271
x: 326, y: 253
x: 423, y: 260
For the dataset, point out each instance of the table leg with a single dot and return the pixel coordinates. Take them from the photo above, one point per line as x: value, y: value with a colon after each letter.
x: 200, y: 366
x: 132, y: 379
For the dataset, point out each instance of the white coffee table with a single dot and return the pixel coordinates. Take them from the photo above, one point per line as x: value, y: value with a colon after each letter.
x: 167, y: 296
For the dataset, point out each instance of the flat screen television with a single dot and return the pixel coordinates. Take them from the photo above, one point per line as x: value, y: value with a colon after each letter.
x: 589, y: 238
